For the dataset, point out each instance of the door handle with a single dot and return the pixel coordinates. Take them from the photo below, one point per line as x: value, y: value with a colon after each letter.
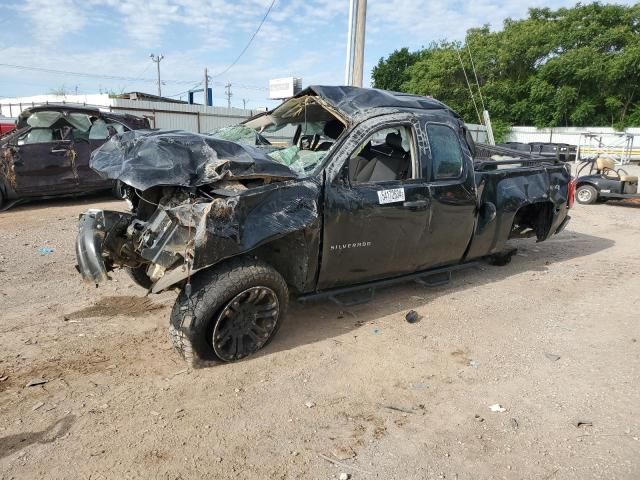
x: 416, y: 204
x: 59, y: 150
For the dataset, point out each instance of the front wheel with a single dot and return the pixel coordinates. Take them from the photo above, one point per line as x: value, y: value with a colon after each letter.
x: 232, y: 312
x: 139, y: 276
x: 119, y: 190
x: 586, y: 194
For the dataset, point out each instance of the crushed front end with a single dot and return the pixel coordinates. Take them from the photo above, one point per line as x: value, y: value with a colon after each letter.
x: 159, y: 238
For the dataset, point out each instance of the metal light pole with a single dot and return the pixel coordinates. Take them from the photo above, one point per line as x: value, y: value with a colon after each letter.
x: 157, y: 59
x: 358, y: 54
x: 349, y: 60
x: 354, y: 66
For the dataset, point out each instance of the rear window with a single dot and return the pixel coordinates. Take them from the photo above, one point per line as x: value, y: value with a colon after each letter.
x: 446, y: 155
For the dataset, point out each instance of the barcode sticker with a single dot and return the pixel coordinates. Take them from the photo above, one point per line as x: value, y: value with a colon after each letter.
x: 391, y: 196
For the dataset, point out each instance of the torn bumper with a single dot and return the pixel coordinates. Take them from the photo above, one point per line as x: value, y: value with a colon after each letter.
x: 98, y: 229
x: 89, y: 248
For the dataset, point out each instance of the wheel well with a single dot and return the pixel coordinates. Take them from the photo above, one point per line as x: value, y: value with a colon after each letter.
x: 532, y: 220
x: 580, y: 184
x: 289, y: 255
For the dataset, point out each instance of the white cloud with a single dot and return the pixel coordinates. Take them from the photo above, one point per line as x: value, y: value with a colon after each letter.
x: 301, y: 37
x: 52, y: 21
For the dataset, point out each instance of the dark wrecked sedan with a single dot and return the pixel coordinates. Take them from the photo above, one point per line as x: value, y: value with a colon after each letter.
x: 48, y: 152
x: 371, y: 188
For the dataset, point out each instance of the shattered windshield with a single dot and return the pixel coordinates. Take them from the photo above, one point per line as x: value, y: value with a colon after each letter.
x: 240, y: 134
x: 299, y: 133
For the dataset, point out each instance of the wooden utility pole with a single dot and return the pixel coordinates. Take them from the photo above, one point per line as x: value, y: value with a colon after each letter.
x: 358, y: 54
x: 227, y: 92
x: 157, y: 59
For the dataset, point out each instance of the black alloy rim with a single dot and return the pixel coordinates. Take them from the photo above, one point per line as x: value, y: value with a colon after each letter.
x: 245, y: 323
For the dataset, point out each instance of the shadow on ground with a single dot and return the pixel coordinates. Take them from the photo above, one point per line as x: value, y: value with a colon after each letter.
x: 310, y: 323
x: 35, y: 204
x: 318, y: 321
x: 13, y: 443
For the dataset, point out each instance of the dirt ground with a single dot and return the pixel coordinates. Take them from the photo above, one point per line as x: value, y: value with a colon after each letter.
x: 553, y: 338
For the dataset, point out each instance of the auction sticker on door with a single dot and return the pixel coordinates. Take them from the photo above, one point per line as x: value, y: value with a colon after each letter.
x: 391, y: 196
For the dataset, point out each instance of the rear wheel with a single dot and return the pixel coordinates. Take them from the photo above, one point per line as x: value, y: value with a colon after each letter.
x: 233, y: 311
x: 586, y: 194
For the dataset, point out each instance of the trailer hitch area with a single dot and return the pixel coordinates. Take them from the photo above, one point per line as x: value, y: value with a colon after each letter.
x: 98, y: 233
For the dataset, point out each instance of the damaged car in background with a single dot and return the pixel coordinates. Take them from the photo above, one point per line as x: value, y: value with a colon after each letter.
x: 371, y: 188
x: 48, y: 152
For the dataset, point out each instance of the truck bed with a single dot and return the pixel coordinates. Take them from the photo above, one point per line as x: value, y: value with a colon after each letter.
x: 530, y: 195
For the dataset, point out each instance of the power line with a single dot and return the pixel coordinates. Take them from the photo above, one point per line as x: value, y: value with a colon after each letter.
x: 91, y: 75
x: 248, y: 43
x: 186, y: 91
x: 139, y: 77
x: 127, y: 79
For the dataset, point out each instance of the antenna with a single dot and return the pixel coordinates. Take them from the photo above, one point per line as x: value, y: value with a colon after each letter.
x: 469, y: 85
x: 476, y: 75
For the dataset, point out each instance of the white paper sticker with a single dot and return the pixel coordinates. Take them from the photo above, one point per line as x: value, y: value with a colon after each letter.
x: 390, y: 196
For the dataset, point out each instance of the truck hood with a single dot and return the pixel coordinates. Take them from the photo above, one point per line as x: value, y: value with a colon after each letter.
x: 149, y: 158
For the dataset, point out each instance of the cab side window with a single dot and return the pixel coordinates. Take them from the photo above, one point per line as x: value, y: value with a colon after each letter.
x: 446, y: 155
x: 385, y: 155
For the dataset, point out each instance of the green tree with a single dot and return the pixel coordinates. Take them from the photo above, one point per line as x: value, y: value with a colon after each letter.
x: 566, y: 67
x: 391, y: 73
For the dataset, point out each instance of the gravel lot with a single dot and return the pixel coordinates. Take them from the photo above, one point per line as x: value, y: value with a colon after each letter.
x: 554, y: 338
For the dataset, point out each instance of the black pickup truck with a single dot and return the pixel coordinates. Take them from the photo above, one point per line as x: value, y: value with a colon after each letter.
x: 370, y: 187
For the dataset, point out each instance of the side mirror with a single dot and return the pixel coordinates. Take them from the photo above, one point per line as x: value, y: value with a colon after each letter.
x: 486, y: 215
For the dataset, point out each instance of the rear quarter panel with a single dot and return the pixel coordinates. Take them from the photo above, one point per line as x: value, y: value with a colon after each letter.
x: 511, y: 189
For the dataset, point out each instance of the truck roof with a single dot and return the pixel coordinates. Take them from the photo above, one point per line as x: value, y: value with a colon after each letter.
x: 353, y: 101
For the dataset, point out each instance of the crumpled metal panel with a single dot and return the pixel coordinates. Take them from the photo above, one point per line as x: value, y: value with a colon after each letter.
x: 145, y: 159
x: 353, y: 101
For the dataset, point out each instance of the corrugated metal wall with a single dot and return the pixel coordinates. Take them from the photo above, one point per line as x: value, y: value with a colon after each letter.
x: 177, y: 116
x: 563, y: 134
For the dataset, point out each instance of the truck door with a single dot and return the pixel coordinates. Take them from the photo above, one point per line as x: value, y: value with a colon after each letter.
x: 448, y: 166
x: 376, y: 206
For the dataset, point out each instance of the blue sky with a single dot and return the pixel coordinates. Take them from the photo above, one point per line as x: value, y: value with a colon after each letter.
x: 299, y: 38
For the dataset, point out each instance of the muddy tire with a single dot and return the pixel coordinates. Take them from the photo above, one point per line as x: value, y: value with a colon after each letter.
x: 586, y: 194
x: 233, y: 311
x: 139, y: 276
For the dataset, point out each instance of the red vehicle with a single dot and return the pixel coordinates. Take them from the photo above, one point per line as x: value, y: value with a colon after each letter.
x: 6, y: 125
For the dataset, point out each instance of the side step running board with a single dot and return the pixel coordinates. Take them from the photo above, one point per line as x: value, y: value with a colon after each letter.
x: 428, y: 278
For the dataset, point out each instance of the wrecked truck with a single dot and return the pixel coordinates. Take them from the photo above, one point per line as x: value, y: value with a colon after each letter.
x: 337, y: 191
